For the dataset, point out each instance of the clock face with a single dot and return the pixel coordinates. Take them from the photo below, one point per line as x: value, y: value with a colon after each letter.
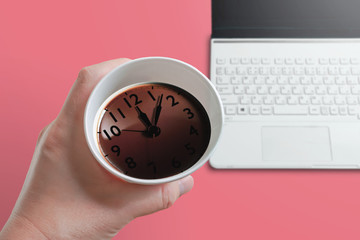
x: 153, y: 130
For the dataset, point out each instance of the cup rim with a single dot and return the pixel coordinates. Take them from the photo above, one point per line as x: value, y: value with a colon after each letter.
x: 111, y: 169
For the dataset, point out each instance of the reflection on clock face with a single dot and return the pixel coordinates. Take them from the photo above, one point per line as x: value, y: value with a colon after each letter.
x: 153, y: 130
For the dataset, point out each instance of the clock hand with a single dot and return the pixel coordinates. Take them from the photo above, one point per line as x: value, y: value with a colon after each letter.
x: 143, y: 117
x: 158, y: 109
x: 128, y: 130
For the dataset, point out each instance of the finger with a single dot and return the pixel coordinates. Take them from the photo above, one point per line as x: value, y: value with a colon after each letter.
x: 185, y: 185
x: 172, y: 191
x: 88, y: 77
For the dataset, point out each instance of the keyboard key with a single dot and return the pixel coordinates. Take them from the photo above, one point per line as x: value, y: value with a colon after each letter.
x: 340, y: 80
x: 290, y: 110
x: 262, y: 90
x: 320, y: 90
x: 245, y: 60
x: 355, y: 71
x: 352, y: 110
x: 309, y: 90
x: 352, y: 80
x: 285, y: 90
x: 340, y: 100
x: 315, y: 100
x: 282, y: 80
x: 314, y: 110
x: 324, y: 110
x: 310, y: 71
x: 292, y: 100
x: 352, y: 100
x: 239, y: 90
x: 252, y: 70
x: 316, y: 80
x: 256, y: 100
x: 250, y: 90
x: 235, y: 80
x: 270, y: 80
x: 265, y: 61
x: 264, y: 71
x: 246, y: 80
x: 333, y: 70
x: 297, y: 90
x: 244, y: 100
x: 266, y: 110
x: 322, y: 71
x: 334, y: 110
x: 334, y: 61
x: 280, y: 100
x: 299, y: 61
x: 224, y: 89
x: 310, y: 61
x: 222, y: 80
x: 230, y: 110
x: 279, y: 61
x: 220, y: 61
x: 275, y: 70
x: 240, y: 71
x: 287, y: 71
x: 254, y: 110
x: 355, y: 90
x: 323, y: 61
x: 274, y: 90
x: 344, y: 71
x: 229, y: 100
x: 327, y: 100
x: 242, y: 110
x: 259, y: 80
x: 305, y: 80
x: 289, y: 61
x: 268, y: 100
x: 255, y: 60
x: 299, y: 70
x: 328, y: 80
x: 354, y: 61
x: 342, y: 110
x: 344, y: 61
x: 344, y: 90
x: 219, y: 71
x: 234, y: 60
x: 229, y: 71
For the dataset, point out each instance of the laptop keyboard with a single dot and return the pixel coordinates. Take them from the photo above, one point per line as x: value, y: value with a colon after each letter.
x: 265, y: 88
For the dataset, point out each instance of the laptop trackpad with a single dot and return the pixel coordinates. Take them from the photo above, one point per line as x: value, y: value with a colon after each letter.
x: 296, y: 144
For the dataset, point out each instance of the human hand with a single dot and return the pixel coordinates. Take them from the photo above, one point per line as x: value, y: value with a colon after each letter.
x: 67, y: 194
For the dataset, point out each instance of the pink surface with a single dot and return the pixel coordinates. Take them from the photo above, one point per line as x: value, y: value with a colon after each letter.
x: 43, y: 44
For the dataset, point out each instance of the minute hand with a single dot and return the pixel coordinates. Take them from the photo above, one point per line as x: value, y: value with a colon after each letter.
x: 143, y: 117
x: 158, y: 110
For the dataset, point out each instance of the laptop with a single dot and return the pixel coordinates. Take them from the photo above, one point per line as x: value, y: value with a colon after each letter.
x: 288, y: 75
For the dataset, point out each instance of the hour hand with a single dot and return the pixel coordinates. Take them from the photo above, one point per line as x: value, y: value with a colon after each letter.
x: 143, y: 117
x: 158, y: 110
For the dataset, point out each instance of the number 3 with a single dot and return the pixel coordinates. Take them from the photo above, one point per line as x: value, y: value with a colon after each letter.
x: 188, y: 112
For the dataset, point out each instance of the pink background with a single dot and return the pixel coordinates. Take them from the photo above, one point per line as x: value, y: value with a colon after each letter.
x: 43, y: 44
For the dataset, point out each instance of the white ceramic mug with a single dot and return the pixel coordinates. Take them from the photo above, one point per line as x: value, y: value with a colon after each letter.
x: 154, y: 69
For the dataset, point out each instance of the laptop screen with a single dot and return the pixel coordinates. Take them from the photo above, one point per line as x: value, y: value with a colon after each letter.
x: 285, y: 18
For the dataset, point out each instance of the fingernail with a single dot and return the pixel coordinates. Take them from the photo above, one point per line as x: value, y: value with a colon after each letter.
x: 186, y: 184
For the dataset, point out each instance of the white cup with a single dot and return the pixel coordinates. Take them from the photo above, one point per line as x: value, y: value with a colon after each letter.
x: 154, y: 69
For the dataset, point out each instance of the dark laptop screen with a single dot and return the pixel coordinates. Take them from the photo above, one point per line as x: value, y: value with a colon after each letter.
x: 285, y: 18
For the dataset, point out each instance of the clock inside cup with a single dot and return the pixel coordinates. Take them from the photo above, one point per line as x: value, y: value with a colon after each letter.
x: 153, y: 130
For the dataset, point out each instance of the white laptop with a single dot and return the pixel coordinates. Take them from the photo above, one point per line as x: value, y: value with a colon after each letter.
x: 288, y: 75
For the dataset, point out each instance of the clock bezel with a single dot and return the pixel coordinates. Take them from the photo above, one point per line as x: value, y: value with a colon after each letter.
x: 149, y: 70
